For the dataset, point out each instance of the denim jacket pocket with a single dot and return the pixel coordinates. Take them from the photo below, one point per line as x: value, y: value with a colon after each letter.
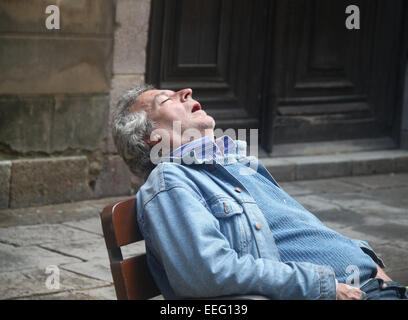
x: 233, y: 223
x: 225, y: 207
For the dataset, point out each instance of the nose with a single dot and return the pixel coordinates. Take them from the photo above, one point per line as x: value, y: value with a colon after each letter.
x: 185, y: 94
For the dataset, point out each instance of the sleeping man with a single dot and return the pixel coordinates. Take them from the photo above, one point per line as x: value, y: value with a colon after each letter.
x: 216, y: 223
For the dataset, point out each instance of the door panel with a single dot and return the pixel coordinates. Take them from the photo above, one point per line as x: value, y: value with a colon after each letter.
x: 327, y: 81
x: 213, y: 47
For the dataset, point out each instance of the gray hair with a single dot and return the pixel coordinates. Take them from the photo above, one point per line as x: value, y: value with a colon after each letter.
x: 128, y: 131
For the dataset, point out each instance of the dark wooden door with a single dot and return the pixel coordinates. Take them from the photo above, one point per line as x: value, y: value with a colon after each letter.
x: 214, y: 47
x: 288, y: 67
x: 331, y: 83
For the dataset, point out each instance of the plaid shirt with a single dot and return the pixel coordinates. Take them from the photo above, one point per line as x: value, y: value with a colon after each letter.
x: 206, y: 149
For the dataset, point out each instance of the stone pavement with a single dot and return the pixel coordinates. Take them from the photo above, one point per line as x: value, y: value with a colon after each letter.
x: 372, y: 208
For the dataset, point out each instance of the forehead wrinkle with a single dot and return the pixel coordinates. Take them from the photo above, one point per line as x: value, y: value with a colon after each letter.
x: 163, y: 93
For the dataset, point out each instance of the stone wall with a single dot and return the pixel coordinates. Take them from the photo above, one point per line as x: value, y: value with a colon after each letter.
x: 129, y: 60
x: 57, y: 92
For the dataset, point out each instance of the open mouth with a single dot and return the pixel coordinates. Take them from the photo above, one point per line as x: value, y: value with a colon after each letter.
x: 196, y: 107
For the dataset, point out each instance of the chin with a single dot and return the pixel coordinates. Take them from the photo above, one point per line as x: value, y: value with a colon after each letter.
x: 208, y: 123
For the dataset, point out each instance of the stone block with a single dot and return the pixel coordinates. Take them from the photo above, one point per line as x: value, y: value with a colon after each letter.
x: 19, y: 258
x: 115, y: 178
x: 25, y: 122
x: 43, y: 234
x: 132, y: 18
x: 48, y: 180
x: 58, y: 65
x: 79, y: 122
x: 104, y: 293
x: 79, y: 16
x: 91, y: 249
x: 5, y: 173
x: 86, y: 250
x: 24, y: 283
x: 50, y: 124
x: 98, y: 269
x: 92, y: 225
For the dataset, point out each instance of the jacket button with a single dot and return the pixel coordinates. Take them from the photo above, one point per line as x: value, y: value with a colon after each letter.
x: 225, y: 208
x: 238, y: 190
x: 258, y: 225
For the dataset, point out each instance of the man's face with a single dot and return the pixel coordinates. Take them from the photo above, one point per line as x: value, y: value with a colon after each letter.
x: 166, y: 106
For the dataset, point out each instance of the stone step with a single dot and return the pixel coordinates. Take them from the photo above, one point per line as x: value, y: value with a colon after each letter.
x: 329, y: 147
x: 337, y: 165
x: 43, y: 181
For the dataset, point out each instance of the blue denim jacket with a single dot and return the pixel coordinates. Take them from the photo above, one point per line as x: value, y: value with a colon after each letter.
x: 199, y: 241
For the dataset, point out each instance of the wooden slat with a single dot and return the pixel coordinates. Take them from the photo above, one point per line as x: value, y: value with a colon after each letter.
x: 119, y: 224
x: 133, y: 280
x: 136, y: 272
x: 107, y: 227
x: 131, y: 277
x: 125, y: 223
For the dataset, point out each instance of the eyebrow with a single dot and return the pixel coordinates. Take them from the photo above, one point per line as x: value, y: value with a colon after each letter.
x: 160, y: 94
x: 163, y: 93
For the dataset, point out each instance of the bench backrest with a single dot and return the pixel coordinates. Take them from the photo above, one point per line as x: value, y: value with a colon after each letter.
x: 132, y: 278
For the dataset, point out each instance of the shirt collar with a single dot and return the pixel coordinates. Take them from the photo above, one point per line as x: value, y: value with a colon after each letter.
x: 205, y: 150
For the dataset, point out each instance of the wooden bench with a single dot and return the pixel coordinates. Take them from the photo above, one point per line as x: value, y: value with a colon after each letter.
x: 131, y: 277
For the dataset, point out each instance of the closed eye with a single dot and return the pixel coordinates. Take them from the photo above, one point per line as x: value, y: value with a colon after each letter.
x: 164, y: 101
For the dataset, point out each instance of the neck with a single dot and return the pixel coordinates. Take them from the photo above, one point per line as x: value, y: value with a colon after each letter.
x: 178, y: 141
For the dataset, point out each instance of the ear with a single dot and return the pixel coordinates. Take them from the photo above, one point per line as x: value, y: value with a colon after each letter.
x: 155, y: 140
